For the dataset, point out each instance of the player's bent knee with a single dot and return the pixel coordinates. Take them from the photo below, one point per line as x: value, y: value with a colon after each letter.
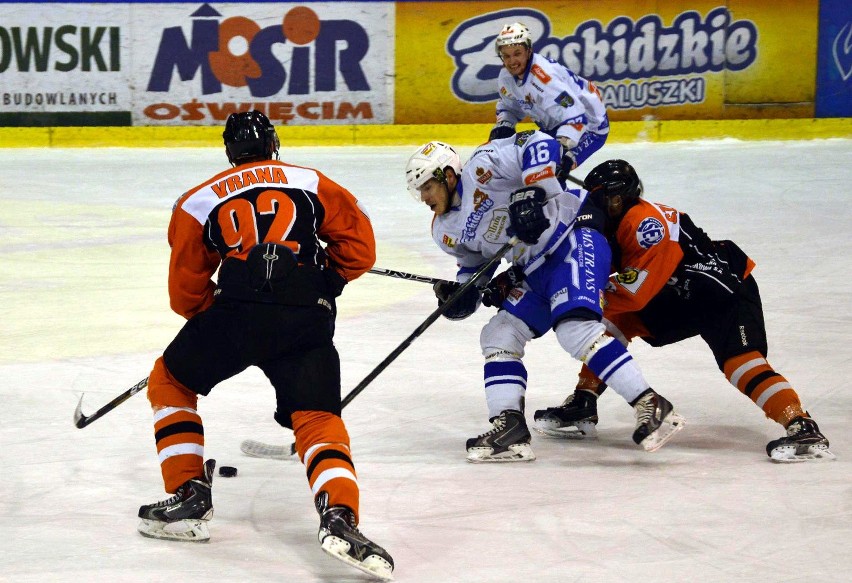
x: 578, y: 337
x: 504, y: 337
x: 166, y: 391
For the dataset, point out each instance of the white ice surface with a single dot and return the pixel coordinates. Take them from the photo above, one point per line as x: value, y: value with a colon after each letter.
x: 84, y: 309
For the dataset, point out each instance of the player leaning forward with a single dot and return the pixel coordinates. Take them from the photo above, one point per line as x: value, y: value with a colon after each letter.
x: 560, y: 102
x: 564, y: 268
x: 273, y: 306
x: 673, y: 282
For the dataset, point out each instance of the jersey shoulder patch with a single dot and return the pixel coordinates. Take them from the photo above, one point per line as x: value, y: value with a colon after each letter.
x: 523, y: 137
x: 650, y: 232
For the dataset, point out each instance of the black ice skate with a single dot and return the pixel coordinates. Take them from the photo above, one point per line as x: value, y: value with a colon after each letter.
x: 804, y: 442
x: 656, y: 421
x: 575, y: 418
x: 508, y: 441
x: 184, y: 516
x: 340, y: 538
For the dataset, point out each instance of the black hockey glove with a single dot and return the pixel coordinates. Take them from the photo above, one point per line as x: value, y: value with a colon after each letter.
x: 498, y: 288
x: 463, y: 306
x: 526, y: 214
x: 565, y: 166
x: 501, y: 131
x: 334, y: 281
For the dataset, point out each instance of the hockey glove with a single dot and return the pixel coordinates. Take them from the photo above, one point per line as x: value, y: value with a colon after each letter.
x: 566, y: 165
x: 463, y: 306
x: 501, y: 131
x: 334, y: 281
x: 498, y: 288
x: 526, y: 214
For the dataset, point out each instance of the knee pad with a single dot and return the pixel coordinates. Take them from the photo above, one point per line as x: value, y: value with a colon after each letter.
x: 165, y: 391
x: 504, y: 337
x: 581, y: 338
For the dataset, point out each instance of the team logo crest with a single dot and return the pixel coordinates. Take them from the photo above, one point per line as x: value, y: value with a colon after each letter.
x: 479, y: 197
x: 448, y: 241
x: 429, y: 148
x: 628, y: 276
x: 522, y: 137
x: 650, y: 232
x: 631, y: 279
x: 564, y: 100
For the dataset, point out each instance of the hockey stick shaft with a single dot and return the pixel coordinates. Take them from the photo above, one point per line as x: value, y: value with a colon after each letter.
x: 422, y: 327
x: 81, y: 421
x: 575, y: 180
x: 427, y: 322
x: 408, y: 276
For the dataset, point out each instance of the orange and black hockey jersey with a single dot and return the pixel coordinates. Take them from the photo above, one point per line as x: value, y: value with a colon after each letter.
x: 654, y: 245
x: 263, y: 202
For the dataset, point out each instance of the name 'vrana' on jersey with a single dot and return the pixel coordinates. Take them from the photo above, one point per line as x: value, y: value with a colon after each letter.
x: 261, y: 175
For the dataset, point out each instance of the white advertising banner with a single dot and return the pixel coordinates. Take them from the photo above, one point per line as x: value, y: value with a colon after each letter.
x: 302, y: 64
x: 195, y: 63
x: 64, y: 58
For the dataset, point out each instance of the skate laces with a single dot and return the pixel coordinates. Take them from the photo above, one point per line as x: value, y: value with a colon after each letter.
x: 645, y: 408
x: 499, y: 425
x: 568, y: 400
x: 802, y: 426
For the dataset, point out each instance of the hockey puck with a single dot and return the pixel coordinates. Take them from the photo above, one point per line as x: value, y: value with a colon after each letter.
x: 227, y: 471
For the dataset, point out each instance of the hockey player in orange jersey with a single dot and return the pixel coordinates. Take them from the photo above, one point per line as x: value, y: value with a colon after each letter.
x: 273, y: 306
x: 673, y: 282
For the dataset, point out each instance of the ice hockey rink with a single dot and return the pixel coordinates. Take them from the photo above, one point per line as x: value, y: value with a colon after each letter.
x: 84, y: 309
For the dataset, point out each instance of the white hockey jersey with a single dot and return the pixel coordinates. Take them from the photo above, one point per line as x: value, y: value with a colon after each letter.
x: 560, y: 102
x: 475, y: 229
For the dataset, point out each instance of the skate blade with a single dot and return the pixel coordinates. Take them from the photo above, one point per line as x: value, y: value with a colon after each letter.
x: 373, y: 565
x: 786, y: 454
x: 579, y: 430
x: 194, y: 531
x: 520, y: 452
x: 671, y: 425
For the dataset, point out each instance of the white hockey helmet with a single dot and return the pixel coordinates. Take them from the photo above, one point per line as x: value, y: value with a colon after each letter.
x: 428, y: 162
x: 516, y: 33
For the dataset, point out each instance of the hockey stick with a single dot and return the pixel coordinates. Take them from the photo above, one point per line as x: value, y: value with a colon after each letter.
x: 576, y: 181
x: 409, y: 276
x: 82, y: 421
x: 258, y: 449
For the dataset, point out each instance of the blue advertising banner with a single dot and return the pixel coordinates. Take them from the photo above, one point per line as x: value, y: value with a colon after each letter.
x: 834, y: 59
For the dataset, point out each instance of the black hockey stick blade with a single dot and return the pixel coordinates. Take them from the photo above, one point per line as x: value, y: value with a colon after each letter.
x: 81, y: 421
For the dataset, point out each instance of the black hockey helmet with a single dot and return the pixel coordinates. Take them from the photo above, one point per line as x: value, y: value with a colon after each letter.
x: 249, y: 136
x: 613, y: 178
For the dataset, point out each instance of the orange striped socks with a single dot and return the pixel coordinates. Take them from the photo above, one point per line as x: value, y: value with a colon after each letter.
x: 323, y: 446
x: 756, y: 379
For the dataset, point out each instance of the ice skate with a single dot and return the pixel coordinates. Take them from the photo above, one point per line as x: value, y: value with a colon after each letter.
x: 507, y: 441
x: 803, y: 442
x: 656, y: 421
x: 339, y: 537
x: 575, y: 418
x: 184, y: 516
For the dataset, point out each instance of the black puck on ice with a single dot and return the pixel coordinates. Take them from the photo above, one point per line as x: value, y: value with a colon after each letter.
x: 227, y: 471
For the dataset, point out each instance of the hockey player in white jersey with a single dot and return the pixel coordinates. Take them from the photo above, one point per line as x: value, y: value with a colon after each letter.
x: 509, y: 187
x: 561, y: 103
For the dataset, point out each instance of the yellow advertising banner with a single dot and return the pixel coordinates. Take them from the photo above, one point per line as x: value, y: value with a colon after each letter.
x: 701, y: 59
